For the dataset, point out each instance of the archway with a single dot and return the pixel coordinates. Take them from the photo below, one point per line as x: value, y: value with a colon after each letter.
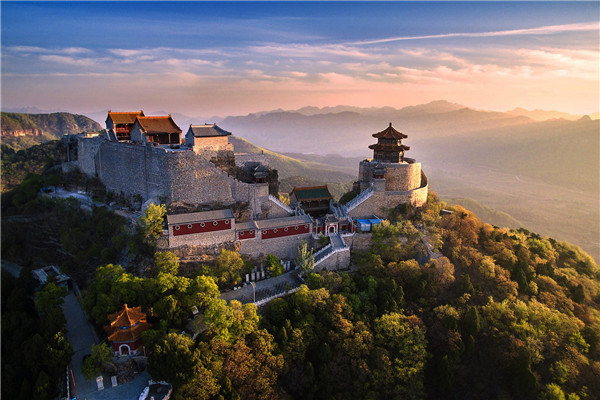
x: 124, y: 350
x: 332, y: 229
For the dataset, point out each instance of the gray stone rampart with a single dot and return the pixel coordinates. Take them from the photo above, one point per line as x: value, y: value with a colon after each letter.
x: 359, y: 241
x: 133, y: 169
x: 402, y: 177
x: 154, y: 172
x: 380, y: 202
x: 242, y: 159
x: 87, y: 149
x: 336, y: 261
x: 284, y: 248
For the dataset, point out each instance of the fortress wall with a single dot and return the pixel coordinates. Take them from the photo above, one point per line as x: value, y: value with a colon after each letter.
x: 195, y: 180
x: 402, y: 177
x: 132, y: 169
x: 359, y: 241
x: 364, y: 174
x: 87, y: 148
x: 241, y: 159
x: 337, y: 261
x: 380, y: 201
x: 284, y: 247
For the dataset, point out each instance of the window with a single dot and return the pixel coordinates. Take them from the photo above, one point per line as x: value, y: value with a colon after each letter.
x: 285, y: 229
x: 189, y: 226
x: 227, y: 221
x: 275, y: 230
x: 215, y: 223
x: 202, y: 224
x: 251, y: 232
x: 296, y: 228
x: 177, y: 227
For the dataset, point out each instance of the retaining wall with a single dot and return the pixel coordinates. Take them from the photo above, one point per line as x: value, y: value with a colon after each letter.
x: 336, y: 261
x: 285, y: 247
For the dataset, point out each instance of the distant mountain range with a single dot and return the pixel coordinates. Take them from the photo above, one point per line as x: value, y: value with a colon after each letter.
x: 54, y: 124
x: 347, y: 130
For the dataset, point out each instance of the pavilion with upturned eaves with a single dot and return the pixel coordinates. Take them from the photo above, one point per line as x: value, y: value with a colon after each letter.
x: 389, y: 147
x: 125, y: 330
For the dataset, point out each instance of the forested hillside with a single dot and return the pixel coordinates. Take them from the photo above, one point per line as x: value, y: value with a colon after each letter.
x: 16, y: 165
x: 499, y: 314
x: 52, y: 126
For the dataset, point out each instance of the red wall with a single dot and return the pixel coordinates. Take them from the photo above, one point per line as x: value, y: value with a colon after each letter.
x: 281, y: 232
x: 133, y: 346
x: 209, y: 226
x: 247, y: 234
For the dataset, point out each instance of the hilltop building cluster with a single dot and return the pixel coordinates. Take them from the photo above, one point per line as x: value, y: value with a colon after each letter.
x: 149, y: 158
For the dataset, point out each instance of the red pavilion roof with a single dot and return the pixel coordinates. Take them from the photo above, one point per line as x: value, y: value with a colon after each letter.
x: 127, y: 324
x: 389, y: 133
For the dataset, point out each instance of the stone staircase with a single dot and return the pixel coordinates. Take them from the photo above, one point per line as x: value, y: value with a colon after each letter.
x: 337, y: 244
x: 280, y: 204
x: 358, y: 200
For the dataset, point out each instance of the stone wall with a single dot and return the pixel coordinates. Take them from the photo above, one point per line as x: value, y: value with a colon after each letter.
x: 202, y: 239
x: 337, y: 261
x: 87, y: 149
x: 364, y: 174
x: 285, y: 248
x: 275, y: 211
x: 133, y: 169
x: 402, y: 177
x: 241, y: 159
x: 359, y: 241
x: 380, y: 202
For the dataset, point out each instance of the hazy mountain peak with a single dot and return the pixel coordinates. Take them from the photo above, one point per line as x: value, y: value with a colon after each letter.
x: 543, y: 115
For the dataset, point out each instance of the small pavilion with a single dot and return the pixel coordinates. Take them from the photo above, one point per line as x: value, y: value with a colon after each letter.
x: 125, y: 330
x: 389, y: 147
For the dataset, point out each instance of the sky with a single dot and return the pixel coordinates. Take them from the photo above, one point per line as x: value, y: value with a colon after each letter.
x: 233, y: 58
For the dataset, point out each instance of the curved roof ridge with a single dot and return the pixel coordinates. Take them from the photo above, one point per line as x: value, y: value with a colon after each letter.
x: 390, y: 133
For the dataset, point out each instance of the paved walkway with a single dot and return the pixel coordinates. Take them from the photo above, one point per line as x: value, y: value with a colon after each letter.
x: 128, y: 391
x: 81, y: 335
x: 265, y: 288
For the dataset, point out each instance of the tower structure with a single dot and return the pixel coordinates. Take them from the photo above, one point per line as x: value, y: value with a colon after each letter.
x: 389, y: 147
x: 389, y: 179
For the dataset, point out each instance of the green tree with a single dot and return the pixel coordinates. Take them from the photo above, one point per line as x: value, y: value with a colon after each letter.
x: 174, y: 360
x: 50, y: 298
x: 58, y: 353
x: 228, y: 266
x: 405, y: 344
x: 274, y: 265
x: 151, y: 223
x: 306, y: 259
x: 166, y: 262
x: 100, y: 356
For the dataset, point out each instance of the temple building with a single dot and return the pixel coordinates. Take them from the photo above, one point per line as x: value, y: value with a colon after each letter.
x: 125, y: 330
x: 158, y: 130
x: 314, y: 200
x: 207, y: 137
x: 389, y: 147
x: 120, y: 124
